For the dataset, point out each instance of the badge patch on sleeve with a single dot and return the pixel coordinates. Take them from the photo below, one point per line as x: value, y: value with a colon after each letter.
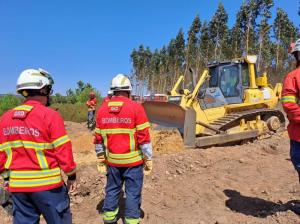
x: 115, y: 107
x: 19, y: 114
x: 22, y: 111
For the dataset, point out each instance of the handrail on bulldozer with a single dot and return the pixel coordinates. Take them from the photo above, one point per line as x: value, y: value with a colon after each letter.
x: 179, y: 81
x: 194, y: 94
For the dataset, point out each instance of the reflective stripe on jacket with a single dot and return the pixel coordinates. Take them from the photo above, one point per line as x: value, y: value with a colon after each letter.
x: 122, y: 126
x: 290, y: 103
x: 34, y: 148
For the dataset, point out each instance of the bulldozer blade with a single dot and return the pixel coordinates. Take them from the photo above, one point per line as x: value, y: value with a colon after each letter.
x: 189, y: 136
x: 171, y: 115
x: 165, y: 114
x: 225, y: 138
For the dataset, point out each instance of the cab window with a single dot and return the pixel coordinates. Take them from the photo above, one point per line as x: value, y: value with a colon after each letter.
x: 229, y: 79
x: 213, y: 72
x: 245, y: 75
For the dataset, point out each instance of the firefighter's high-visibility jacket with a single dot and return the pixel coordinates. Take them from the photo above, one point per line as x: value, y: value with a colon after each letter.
x: 290, y: 102
x: 123, y: 127
x: 91, y: 103
x: 34, y: 148
x: 106, y: 99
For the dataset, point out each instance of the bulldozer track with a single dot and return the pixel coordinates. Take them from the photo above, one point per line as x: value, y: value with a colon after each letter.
x: 221, y: 125
x: 234, y: 119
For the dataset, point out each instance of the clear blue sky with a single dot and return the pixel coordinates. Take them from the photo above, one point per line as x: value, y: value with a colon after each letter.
x: 91, y: 40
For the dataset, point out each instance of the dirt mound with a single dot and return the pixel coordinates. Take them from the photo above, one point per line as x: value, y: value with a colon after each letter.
x: 82, y: 142
x: 166, y: 141
x: 81, y: 137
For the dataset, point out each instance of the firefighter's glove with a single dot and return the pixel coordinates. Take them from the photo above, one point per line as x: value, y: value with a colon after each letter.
x: 147, y: 154
x: 99, y: 149
x: 148, y: 164
x: 101, y: 163
x: 71, y: 183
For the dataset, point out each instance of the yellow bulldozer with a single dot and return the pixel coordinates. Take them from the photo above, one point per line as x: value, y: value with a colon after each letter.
x: 229, y: 103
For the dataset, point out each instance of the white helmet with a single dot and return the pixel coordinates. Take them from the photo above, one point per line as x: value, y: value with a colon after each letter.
x: 296, y: 47
x: 34, y: 79
x: 121, y: 83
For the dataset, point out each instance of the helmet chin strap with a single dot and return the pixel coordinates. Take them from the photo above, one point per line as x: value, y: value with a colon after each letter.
x: 46, y: 91
x: 48, y: 104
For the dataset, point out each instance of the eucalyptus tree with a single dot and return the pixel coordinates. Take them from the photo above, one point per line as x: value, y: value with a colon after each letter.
x: 218, y: 30
x: 206, y: 46
x: 135, y: 70
x: 284, y: 32
x: 264, y: 41
x: 154, y: 72
x: 192, y: 46
x: 179, y: 54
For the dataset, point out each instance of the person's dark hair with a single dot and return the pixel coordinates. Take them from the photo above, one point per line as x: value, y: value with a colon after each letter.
x: 121, y: 93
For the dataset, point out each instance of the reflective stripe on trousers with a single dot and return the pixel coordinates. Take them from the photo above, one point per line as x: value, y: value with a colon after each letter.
x: 110, y: 216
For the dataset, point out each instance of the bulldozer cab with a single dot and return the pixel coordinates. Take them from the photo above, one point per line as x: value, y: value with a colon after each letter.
x: 226, y: 84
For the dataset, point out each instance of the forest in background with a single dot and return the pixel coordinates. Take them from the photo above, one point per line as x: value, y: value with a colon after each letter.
x: 156, y: 70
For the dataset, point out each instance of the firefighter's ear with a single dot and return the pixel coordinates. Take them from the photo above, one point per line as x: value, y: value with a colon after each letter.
x: 24, y: 93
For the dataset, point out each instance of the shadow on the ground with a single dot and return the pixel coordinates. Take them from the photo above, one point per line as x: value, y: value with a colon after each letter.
x: 257, y: 207
x: 121, y: 214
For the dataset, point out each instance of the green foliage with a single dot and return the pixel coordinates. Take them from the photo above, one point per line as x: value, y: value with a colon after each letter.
x: 8, y: 102
x: 72, y: 106
x: 192, y: 46
x: 79, y: 95
x: 58, y: 98
x: 284, y: 29
x: 179, y: 49
x: 218, y: 30
x: 71, y: 112
x: 205, y: 43
x: 285, y: 32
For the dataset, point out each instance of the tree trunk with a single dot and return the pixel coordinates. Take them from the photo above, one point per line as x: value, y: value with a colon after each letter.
x: 247, y: 38
x: 164, y: 86
x: 277, y: 52
x: 248, y: 34
x: 260, y: 54
x: 187, y: 60
x: 159, y: 85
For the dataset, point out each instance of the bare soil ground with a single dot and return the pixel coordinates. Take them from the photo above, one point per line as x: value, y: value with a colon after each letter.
x: 252, y: 183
